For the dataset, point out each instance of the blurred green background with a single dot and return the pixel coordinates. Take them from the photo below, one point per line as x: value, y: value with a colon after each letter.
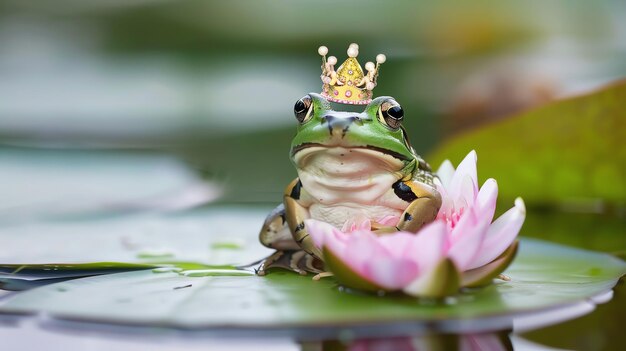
x: 213, y: 84
x: 223, y: 75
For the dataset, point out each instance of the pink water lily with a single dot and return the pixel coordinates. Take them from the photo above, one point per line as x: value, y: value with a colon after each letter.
x: 462, y: 247
x: 363, y: 260
x: 474, y: 241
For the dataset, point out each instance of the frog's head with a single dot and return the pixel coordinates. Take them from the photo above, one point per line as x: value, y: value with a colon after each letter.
x: 378, y: 128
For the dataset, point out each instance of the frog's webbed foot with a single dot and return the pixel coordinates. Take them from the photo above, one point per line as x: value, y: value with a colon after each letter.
x: 293, y: 260
x: 275, y: 257
x: 322, y: 275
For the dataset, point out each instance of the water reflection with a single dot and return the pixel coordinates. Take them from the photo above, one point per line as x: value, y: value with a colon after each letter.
x: 496, y: 341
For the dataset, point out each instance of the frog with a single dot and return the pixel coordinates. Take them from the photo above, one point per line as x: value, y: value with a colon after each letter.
x: 349, y: 165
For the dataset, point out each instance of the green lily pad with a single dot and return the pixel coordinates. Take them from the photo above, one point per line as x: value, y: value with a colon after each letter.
x: 145, y: 238
x: 67, y: 249
x: 23, y: 277
x: 569, y: 151
x: 543, y: 276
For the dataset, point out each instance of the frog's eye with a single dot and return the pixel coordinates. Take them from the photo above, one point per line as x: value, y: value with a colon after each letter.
x: 391, y: 114
x: 303, y: 109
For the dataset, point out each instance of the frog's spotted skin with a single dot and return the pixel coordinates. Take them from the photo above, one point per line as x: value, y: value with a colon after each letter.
x: 350, y: 165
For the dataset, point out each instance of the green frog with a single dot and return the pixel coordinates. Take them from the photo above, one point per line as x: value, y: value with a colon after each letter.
x: 349, y: 165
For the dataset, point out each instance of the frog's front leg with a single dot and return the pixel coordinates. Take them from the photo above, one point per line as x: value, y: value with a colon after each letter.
x: 295, y: 214
x: 423, y: 207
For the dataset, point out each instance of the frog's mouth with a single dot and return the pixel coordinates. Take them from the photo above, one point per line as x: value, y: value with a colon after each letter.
x: 394, y: 154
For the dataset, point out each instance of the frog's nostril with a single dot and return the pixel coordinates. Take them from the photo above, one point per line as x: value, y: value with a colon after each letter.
x: 339, y: 121
x: 340, y: 124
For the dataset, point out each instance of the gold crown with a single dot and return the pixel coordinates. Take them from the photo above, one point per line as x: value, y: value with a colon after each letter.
x: 348, y: 84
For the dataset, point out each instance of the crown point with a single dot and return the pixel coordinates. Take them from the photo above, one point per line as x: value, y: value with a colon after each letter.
x: 353, y: 51
x: 349, y: 84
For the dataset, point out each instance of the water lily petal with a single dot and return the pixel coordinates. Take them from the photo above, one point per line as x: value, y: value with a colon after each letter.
x: 321, y: 232
x: 389, y: 220
x: 397, y: 243
x: 345, y: 274
x: 441, y: 280
x: 487, y: 197
x: 447, y: 204
x: 466, y: 195
x: 467, y: 168
x: 390, y: 273
x: 445, y: 173
x: 483, y: 275
x: 361, y: 247
x: 359, y: 222
x: 501, y: 234
x: 427, y: 247
x: 467, y: 239
x: 467, y: 220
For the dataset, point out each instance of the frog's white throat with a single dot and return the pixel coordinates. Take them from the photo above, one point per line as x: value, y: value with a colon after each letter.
x: 356, y: 175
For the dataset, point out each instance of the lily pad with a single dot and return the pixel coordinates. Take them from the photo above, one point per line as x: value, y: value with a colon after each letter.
x: 544, y: 276
x: 569, y: 151
x: 196, y: 236
x: 23, y: 277
x: 204, y: 238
